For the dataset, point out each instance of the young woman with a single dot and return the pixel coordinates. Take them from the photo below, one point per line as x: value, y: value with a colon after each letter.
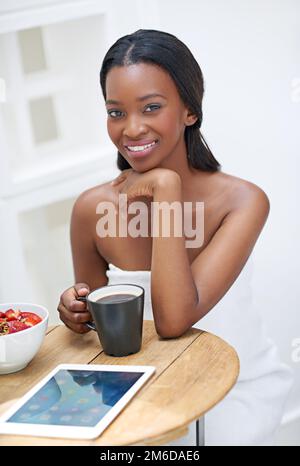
x: 153, y: 89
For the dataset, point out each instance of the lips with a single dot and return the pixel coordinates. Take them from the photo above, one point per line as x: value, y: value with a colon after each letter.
x: 140, y: 145
x: 140, y: 148
x: 139, y: 142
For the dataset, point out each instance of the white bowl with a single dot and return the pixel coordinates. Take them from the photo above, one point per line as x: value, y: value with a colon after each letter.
x: 18, y: 349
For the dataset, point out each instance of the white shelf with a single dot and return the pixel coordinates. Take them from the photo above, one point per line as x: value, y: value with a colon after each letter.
x: 62, y: 166
x: 46, y: 83
x: 62, y: 190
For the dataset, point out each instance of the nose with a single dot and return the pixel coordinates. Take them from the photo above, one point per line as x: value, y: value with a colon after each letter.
x: 134, y: 127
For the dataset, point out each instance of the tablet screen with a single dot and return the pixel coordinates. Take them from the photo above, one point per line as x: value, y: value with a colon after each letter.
x: 75, y: 398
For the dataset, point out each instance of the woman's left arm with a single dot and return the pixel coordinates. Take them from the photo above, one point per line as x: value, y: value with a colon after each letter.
x: 174, y: 293
x: 189, y: 292
x: 182, y: 293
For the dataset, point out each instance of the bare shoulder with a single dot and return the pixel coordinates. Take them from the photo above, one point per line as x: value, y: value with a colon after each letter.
x: 87, y: 201
x: 244, y: 194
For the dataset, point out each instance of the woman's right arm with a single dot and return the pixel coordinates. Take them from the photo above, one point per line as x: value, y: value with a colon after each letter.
x: 89, y: 266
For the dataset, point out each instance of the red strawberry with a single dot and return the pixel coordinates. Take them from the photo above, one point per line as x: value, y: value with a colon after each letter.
x: 30, y: 318
x: 12, y: 315
x: 2, y: 315
x: 16, y: 326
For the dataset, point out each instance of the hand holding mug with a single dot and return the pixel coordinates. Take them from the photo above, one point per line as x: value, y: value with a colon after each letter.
x: 72, y: 311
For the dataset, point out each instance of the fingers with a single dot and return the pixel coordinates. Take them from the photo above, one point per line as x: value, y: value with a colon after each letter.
x: 82, y: 289
x: 70, y: 295
x: 122, y: 177
x: 118, y: 180
x: 72, y: 312
x: 74, y: 321
x: 76, y: 316
x: 77, y: 328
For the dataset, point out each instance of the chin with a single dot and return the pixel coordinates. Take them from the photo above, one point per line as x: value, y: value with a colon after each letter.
x: 144, y: 168
x: 141, y: 166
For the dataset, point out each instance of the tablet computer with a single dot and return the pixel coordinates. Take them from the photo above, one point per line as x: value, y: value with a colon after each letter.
x: 75, y: 401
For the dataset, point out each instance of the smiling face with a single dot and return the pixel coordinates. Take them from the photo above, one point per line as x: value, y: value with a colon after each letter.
x: 146, y: 117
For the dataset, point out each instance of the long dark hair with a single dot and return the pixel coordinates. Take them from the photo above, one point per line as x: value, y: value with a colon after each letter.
x: 172, y: 55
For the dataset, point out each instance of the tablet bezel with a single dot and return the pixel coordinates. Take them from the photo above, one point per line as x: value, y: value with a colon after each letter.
x: 76, y: 432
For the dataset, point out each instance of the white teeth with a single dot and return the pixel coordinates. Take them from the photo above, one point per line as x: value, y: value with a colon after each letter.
x: 140, y: 148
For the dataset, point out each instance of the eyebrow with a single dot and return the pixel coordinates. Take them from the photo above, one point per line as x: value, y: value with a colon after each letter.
x: 139, y: 99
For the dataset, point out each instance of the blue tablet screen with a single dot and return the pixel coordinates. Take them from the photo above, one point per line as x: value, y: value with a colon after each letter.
x: 76, y: 398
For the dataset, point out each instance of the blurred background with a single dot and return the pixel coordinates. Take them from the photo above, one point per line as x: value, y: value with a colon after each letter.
x: 54, y: 145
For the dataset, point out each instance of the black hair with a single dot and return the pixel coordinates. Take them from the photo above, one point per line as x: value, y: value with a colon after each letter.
x: 173, y: 56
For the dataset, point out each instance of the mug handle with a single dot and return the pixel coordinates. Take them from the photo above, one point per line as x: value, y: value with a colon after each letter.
x: 88, y: 324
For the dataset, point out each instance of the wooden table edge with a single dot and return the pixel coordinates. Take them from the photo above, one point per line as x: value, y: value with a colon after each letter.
x: 182, y: 429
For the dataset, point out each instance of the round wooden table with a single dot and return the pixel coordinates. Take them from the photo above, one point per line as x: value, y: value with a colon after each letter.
x: 193, y: 373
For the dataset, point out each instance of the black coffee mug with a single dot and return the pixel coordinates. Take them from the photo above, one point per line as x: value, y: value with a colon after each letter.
x: 117, y: 312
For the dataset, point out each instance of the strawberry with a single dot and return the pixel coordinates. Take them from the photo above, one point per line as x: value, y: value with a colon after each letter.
x: 2, y: 315
x: 12, y: 315
x: 30, y: 318
x: 16, y: 326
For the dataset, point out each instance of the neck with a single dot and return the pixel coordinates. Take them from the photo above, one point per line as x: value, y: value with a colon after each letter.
x: 190, y: 177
